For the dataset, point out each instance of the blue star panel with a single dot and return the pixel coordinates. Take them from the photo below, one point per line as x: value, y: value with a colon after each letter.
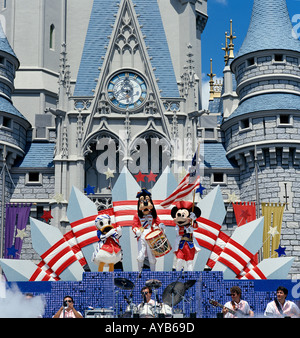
x: 98, y: 290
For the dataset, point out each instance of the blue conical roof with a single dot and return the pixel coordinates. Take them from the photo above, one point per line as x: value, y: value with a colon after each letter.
x: 5, y: 104
x: 4, y: 44
x: 270, y: 28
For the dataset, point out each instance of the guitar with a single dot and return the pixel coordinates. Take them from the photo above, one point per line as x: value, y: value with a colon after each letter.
x: 238, y: 313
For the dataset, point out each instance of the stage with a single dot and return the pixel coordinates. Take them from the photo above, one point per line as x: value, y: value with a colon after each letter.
x: 102, y: 291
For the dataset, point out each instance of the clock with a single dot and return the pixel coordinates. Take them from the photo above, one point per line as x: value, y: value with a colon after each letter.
x: 127, y: 90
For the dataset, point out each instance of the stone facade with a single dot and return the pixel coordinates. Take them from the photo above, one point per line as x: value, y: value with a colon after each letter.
x: 72, y: 128
x: 264, y: 129
x: 63, y: 94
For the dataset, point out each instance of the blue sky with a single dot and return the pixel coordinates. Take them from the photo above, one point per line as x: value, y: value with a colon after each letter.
x: 213, y: 38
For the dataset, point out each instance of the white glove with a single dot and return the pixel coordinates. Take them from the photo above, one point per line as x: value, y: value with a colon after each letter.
x: 189, y: 229
x: 110, y: 233
x: 119, y: 231
x: 162, y: 227
x: 192, y: 217
x: 138, y: 233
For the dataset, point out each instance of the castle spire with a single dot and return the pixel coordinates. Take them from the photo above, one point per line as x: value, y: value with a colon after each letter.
x: 270, y: 28
x: 9, y: 65
x: 5, y: 46
x: 211, y: 82
x: 226, y: 49
x: 231, y: 37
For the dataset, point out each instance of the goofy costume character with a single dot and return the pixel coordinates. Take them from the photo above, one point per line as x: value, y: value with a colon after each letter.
x: 145, y: 221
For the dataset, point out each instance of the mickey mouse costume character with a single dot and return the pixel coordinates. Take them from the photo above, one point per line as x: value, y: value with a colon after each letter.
x: 186, y: 246
x: 108, y: 250
x: 145, y: 221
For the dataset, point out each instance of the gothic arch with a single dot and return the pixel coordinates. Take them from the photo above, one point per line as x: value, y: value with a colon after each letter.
x: 103, y: 153
x: 153, y: 149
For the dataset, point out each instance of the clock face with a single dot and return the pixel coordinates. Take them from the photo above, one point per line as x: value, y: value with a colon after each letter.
x: 127, y: 90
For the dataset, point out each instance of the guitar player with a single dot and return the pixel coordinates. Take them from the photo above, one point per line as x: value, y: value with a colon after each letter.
x: 280, y: 307
x: 240, y: 308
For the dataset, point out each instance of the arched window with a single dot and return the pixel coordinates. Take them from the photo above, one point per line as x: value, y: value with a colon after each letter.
x: 52, y: 37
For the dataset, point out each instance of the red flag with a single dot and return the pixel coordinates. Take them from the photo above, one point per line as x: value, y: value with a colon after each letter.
x: 245, y: 212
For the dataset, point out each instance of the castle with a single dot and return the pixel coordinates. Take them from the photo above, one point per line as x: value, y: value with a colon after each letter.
x: 123, y: 88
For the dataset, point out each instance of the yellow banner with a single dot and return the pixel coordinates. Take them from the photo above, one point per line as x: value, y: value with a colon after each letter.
x: 273, y: 213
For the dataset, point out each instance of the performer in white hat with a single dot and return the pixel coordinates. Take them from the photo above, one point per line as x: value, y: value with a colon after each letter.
x: 145, y: 221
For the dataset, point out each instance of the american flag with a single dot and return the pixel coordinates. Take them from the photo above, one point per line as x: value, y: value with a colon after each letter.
x: 187, y: 185
x: 184, y: 188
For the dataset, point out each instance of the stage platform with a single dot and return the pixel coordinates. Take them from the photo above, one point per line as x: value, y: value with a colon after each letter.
x: 98, y: 290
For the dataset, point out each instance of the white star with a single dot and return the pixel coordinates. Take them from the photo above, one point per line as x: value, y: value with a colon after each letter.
x: 273, y: 231
x: 21, y: 233
x: 58, y: 198
x: 232, y: 197
x: 109, y: 173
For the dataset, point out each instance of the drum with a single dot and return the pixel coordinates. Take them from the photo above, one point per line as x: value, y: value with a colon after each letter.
x: 158, y: 243
x: 146, y: 311
x: 166, y: 311
x: 131, y: 311
x: 99, y: 313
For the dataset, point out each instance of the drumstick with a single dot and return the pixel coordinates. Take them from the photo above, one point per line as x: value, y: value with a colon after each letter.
x: 194, y: 200
x: 142, y: 228
x: 198, y: 153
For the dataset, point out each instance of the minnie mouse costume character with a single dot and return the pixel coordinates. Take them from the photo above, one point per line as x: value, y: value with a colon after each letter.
x: 186, y: 246
x: 108, y: 250
x: 145, y: 221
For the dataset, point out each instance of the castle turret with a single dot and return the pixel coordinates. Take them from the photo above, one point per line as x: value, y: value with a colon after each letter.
x: 268, y: 85
x: 267, y: 118
x: 13, y: 125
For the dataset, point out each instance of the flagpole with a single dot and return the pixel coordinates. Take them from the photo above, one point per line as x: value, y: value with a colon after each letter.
x: 3, y: 201
x: 260, y: 252
x: 198, y: 153
x: 256, y: 183
x: 193, y: 200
